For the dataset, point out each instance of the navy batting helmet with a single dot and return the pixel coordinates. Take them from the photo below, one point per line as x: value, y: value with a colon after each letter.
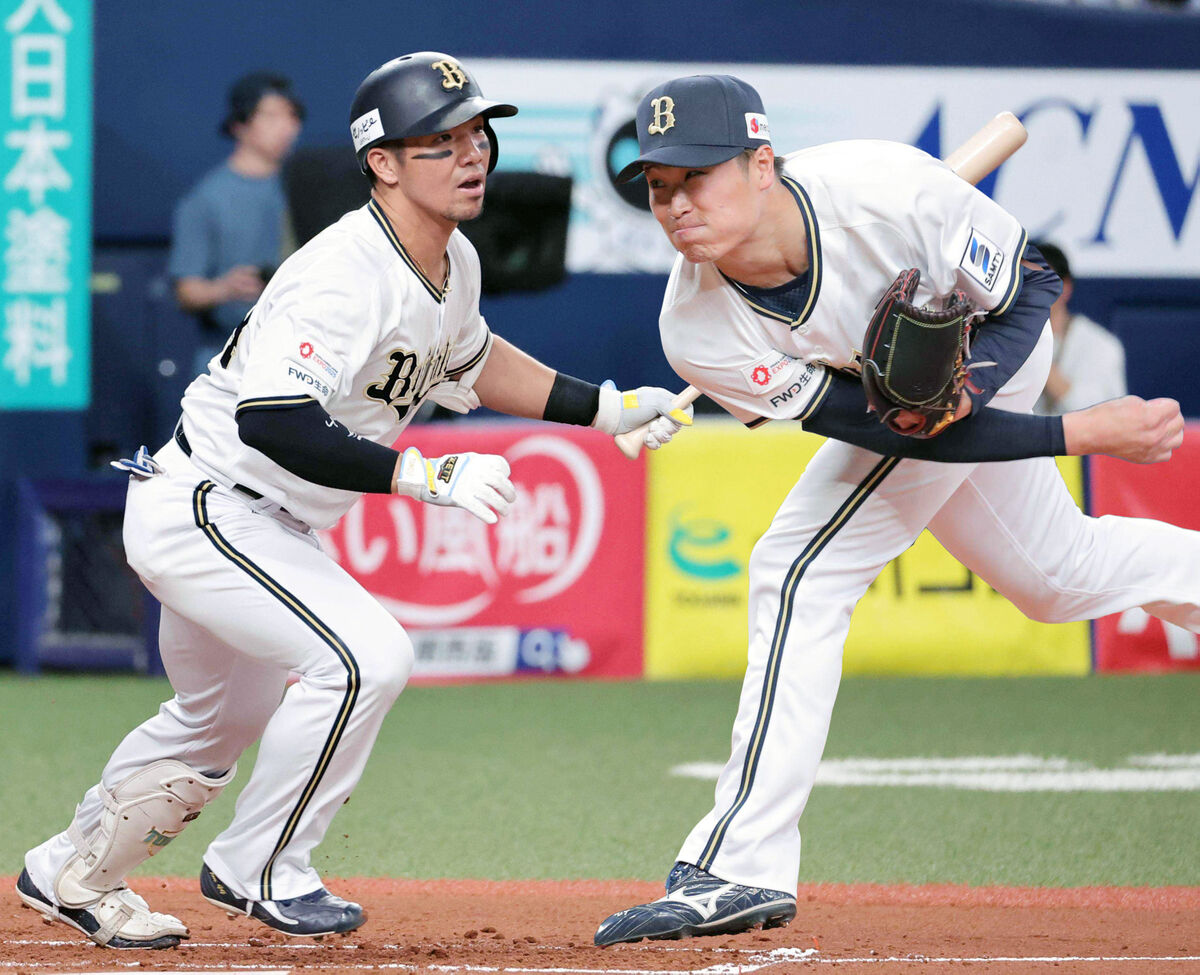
x: 418, y: 94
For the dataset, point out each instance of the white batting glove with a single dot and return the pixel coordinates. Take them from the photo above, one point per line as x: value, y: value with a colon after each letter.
x: 621, y: 412
x: 477, y: 483
x: 660, y: 431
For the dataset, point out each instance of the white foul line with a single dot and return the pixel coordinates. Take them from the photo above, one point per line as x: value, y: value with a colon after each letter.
x: 1003, y: 773
x: 755, y: 962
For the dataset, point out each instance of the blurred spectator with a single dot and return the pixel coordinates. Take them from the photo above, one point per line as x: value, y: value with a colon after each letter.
x: 1089, y: 361
x: 228, y: 232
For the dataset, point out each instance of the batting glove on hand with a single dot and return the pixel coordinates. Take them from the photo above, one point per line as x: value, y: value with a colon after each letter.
x: 477, y: 483
x: 621, y: 412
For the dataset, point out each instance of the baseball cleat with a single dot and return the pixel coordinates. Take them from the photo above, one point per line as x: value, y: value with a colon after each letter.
x: 697, y: 903
x: 310, y: 916
x: 116, y: 919
x: 683, y: 873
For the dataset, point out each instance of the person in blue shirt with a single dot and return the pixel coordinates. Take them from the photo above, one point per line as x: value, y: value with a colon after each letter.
x: 228, y: 231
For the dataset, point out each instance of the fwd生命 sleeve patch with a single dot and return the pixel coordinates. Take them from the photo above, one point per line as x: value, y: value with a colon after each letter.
x: 307, y: 366
x: 310, y: 366
x: 784, y: 388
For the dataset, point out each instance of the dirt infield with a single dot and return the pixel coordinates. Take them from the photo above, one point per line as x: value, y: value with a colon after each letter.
x: 546, y: 927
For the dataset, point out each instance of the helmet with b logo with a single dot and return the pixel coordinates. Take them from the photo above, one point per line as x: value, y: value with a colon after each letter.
x: 419, y: 94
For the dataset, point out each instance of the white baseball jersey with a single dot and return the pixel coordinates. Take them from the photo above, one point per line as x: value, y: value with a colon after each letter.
x: 870, y: 209
x: 351, y: 321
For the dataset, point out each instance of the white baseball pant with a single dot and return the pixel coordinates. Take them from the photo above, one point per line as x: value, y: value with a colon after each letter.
x: 248, y: 596
x: 1014, y: 524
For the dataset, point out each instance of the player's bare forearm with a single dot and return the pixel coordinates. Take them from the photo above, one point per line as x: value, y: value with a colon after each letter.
x: 1130, y: 428
x: 196, y: 294
x: 241, y: 283
x: 514, y: 382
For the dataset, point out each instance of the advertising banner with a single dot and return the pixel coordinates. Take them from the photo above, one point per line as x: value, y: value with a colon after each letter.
x: 554, y: 587
x: 925, y: 614
x: 703, y: 515
x: 45, y: 200
x: 1135, y: 640
x: 1109, y: 169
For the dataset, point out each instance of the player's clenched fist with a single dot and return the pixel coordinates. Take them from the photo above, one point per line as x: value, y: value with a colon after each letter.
x: 1131, y: 428
x: 477, y: 483
x: 620, y: 412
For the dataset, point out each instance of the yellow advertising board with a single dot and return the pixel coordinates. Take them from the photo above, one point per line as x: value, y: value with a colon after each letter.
x: 713, y: 493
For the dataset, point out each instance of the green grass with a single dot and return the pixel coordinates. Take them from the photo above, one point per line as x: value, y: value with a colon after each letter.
x: 566, y: 780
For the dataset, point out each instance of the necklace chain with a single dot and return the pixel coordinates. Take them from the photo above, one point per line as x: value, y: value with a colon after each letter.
x: 445, y: 288
x: 428, y: 276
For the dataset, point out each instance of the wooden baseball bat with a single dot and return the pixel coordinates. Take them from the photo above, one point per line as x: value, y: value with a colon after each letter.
x: 973, y: 160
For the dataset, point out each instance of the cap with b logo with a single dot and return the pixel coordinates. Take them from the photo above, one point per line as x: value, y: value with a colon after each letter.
x: 700, y: 120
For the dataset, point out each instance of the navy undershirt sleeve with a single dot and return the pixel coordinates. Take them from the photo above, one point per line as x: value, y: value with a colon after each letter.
x: 984, y: 436
x: 311, y: 444
x: 1008, y: 339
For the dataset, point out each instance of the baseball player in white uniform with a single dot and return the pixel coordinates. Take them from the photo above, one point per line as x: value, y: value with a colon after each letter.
x: 291, y: 423
x: 779, y: 270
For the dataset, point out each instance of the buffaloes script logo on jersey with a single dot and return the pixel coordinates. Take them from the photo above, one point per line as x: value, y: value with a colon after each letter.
x: 664, y: 115
x: 452, y: 74
x: 409, y: 379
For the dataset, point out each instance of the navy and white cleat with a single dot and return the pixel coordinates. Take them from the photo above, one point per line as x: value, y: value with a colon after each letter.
x: 697, y: 903
x: 117, y: 919
x: 683, y: 873
x: 309, y: 916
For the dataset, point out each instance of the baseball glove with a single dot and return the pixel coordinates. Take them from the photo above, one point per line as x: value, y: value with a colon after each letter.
x: 913, y: 358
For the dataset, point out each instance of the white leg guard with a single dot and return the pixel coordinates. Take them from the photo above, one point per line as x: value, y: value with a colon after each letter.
x: 141, y: 815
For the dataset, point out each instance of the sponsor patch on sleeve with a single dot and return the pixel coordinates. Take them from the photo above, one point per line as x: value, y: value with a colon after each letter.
x: 982, y: 259
x: 311, y: 384
x: 312, y: 355
x: 313, y: 367
x: 764, y: 374
x: 797, y: 391
x: 365, y: 128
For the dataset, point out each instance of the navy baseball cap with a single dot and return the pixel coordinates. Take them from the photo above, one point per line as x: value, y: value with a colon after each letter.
x: 700, y: 120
